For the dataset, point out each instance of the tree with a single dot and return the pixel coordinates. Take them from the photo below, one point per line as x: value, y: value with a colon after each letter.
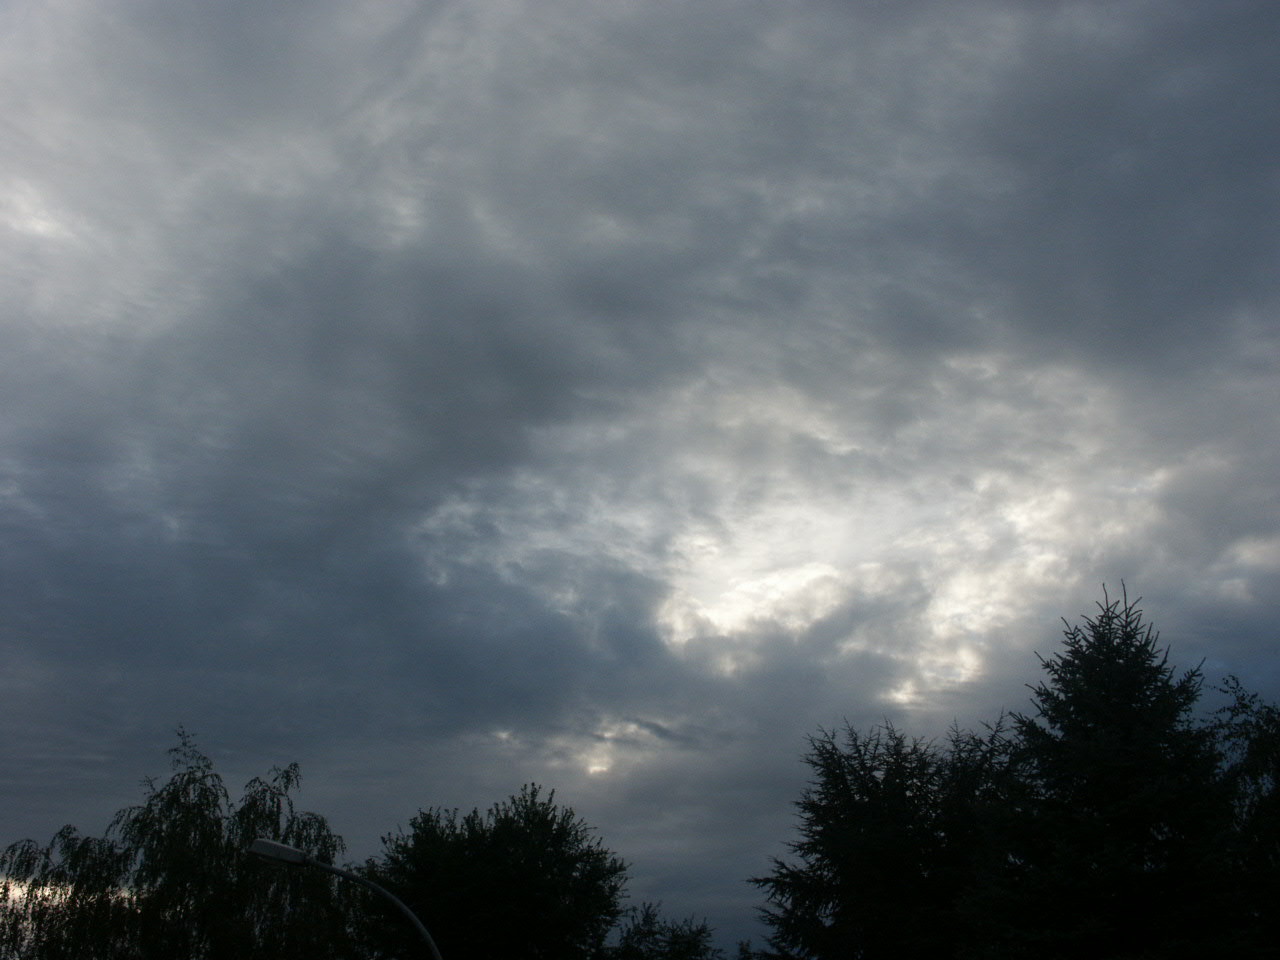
x: 889, y: 829
x: 170, y: 878
x: 525, y: 879
x: 644, y: 935
x: 1119, y: 817
x: 1249, y: 731
x: 1108, y: 821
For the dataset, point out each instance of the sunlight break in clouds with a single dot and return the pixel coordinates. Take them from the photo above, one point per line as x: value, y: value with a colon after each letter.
x: 609, y: 744
x: 789, y: 515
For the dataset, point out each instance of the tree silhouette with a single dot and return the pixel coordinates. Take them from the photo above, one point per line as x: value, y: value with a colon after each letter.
x: 1106, y: 821
x: 525, y: 879
x: 170, y: 878
x: 889, y: 830
x: 645, y: 935
x: 1250, y: 733
x: 1120, y: 815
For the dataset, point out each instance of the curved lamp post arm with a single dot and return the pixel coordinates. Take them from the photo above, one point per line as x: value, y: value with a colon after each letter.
x: 378, y: 888
x: 283, y: 853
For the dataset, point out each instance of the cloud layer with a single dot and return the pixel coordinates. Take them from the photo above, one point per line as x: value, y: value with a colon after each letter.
x: 452, y: 395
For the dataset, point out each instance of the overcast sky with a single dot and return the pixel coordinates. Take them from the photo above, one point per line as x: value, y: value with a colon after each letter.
x: 450, y: 395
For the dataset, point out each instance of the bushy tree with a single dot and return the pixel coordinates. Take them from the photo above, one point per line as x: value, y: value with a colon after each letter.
x: 527, y: 878
x: 645, y: 935
x: 171, y: 878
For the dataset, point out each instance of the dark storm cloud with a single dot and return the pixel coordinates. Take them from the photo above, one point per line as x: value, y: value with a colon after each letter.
x: 454, y: 395
x: 1138, y: 223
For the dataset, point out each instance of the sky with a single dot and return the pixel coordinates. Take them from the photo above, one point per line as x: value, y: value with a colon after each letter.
x: 611, y: 395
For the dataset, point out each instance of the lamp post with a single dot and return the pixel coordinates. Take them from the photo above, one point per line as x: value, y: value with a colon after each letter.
x: 283, y: 853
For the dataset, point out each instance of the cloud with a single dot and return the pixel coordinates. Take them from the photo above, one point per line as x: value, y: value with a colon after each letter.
x: 450, y: 396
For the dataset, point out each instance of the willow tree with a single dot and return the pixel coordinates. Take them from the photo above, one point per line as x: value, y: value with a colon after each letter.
x: 170, y: 878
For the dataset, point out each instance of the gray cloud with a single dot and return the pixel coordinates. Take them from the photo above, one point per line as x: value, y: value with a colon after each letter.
x: 450, y: 395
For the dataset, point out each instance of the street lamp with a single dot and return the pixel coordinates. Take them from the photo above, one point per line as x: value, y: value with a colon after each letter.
x: 283, y: 853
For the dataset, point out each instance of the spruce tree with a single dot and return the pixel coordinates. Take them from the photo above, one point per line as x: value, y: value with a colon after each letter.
x: 1118, y: 820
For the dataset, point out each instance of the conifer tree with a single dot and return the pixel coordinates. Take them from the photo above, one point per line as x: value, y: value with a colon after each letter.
x: 1119, y: 815
x: 890, y: 829
x: 1107, y: 821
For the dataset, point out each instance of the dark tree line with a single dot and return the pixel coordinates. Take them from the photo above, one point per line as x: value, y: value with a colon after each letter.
x: 172, y: 878
x: 1109, y: 821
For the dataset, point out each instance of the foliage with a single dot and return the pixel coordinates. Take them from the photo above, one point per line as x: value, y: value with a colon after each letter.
x: 889, y: 828
x: 525, y: 879
x: 1250, y: 733
x: 644, y: 935
x: 1122, y: 811
x: 170, y: 878
x: 1108, y: 821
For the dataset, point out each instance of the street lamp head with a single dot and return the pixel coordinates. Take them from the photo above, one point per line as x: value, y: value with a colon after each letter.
x: 279, y: 852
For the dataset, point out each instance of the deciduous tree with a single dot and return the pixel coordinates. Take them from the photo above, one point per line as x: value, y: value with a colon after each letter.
x: 527, y: 878
x: 644, y: 934
x: 1249, y: 731
x: 171, y: 878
